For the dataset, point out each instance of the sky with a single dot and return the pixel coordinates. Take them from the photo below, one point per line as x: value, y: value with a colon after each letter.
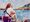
x: 19, y: 3
x: 15, y: 3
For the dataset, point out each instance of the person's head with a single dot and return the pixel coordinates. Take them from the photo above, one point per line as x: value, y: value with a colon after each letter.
x: 8, y: 6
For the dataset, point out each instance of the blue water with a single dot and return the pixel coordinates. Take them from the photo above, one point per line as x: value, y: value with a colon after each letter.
x: 1, y: 12
x: 22, y: 13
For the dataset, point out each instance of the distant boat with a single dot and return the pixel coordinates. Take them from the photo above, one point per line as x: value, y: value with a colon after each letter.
x: 27, y: 5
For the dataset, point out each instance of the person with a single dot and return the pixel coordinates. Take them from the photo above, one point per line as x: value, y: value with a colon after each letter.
x: 10, y: 12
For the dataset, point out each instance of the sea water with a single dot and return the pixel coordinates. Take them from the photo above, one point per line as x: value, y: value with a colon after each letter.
x: 20, y: 14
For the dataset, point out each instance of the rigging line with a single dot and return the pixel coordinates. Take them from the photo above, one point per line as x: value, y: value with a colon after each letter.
x: 6, y: 12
